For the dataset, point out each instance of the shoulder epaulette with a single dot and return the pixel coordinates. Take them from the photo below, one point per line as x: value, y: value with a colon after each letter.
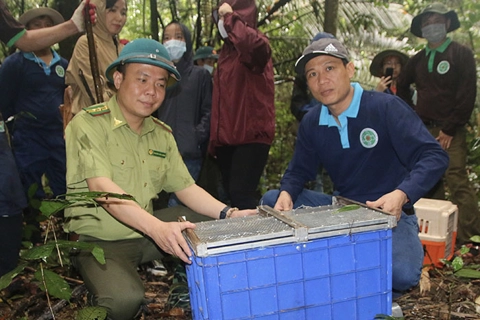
x: 162, y: 124
x: 97, y: 109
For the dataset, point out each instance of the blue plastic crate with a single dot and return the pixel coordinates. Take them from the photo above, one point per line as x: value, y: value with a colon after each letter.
x: 346, y: 276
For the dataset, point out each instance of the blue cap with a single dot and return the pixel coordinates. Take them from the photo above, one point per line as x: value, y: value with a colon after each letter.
x: 322, y: 35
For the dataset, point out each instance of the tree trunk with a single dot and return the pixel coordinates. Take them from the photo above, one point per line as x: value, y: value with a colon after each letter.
x: 331, y: 16
x: 66, y: 9
x: 154, y: 19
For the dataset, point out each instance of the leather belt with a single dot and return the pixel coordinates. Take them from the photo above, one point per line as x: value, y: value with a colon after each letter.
x: 408, y: 211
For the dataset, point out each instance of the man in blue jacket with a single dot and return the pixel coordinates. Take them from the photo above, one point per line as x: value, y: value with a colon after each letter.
x: 32, y: 86
x: 374, y: 147
x: 12, y: 202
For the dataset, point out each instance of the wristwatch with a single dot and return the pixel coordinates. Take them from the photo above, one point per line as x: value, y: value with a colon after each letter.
x: 223, y: 213
x: 227, y: 212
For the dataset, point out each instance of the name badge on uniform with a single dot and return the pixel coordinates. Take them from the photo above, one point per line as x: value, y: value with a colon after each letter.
x: 157, y: 153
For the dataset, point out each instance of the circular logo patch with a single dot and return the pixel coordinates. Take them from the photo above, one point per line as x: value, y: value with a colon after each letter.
x: 368, y: 138
x: 60, y: 71
x: 443, y: 67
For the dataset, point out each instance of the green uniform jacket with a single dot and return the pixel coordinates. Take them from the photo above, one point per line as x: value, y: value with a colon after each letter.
x: 100, y: 143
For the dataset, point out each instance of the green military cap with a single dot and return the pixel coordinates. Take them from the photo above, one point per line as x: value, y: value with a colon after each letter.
x: 205, y: 53
x: 145, y: 51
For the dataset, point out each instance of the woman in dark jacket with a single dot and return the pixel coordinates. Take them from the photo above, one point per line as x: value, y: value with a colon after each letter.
x: 186, y: 108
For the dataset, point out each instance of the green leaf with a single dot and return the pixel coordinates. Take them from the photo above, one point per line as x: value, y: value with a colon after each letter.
x: 99, y: 254
x: 7, y: 278
x: 35, y: 203
x: 92, y: 313
x: 475, y: 239
x: 464, y: 250
x: 468, y: 273
x: 349, y: 207
x: 65, y: 244
x: 457, y: 264
x: 39, y: 252
x: 57, y: 287
x: 50, y: 207
x: 92, y: 195
x: 96, y: 251
x: 32, y: 190
x: 27, y: 244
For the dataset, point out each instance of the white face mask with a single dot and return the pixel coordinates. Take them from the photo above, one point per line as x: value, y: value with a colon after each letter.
x: 209, y: 68
x: 175, y: 48
x: 434, y: 33
x: 221, y: 29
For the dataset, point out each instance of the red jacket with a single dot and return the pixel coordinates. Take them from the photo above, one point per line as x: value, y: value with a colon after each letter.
x: 243, y: 109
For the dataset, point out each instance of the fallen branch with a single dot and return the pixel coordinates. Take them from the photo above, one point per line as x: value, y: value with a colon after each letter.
x: 76, y: 293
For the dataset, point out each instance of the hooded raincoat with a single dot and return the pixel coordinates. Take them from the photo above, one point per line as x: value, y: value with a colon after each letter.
x: 186, y: 108
x: 107, y: 49
x: 243, y: 109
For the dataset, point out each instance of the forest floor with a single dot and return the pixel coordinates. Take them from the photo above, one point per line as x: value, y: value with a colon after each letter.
x: 442, y: 296
x: 449, y: 298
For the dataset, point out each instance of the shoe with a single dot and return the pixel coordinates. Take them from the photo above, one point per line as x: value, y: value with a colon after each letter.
x: 468, y: 250
x: 157, y: 269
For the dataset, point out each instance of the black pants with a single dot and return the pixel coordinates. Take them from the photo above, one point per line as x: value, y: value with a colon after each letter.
x: 10, y: 242
x: 241, y: 167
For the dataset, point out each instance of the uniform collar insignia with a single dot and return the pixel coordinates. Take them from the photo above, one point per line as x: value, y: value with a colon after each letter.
x: 117, y: 122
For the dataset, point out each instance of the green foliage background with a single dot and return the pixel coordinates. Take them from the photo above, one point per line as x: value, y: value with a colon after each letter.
x: 366, y: 27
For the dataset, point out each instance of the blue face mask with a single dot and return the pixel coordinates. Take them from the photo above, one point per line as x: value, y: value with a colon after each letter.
x: 434, y: 33
x: 175, y: 48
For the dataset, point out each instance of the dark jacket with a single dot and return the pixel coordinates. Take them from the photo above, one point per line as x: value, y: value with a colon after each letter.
x: 186, y: 108
x: 445, y: 95
x: 31, y: 95
x: 389, y: 148
x: 243, y: 109
x: 12, y: 196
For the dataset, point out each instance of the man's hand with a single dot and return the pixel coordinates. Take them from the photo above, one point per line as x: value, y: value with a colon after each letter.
x: 284, y: 202
x: 444, y: 139
x: 77, y: 17
x: 391, y: 202
x: 224, y: 9
x: 168, y: 236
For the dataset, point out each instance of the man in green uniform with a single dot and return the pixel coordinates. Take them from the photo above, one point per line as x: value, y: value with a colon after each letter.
x: 117, y: 147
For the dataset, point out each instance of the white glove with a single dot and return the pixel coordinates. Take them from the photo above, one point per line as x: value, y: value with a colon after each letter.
x: 78, y: 19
